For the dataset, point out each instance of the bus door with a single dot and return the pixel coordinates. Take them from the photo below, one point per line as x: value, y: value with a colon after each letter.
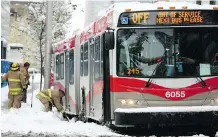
x: 91, y: 76
x: 66, y: 80
x: 71, y: 91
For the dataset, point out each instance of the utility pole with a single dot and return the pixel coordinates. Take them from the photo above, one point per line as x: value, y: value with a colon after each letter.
x: 47, y: 69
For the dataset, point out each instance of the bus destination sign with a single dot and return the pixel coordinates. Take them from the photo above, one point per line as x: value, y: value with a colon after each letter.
x: 160, y: 18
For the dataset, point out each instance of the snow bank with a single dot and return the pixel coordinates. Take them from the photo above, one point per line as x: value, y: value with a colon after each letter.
x: 27, y: 120
x: 37, y: 0
x: 33, y: 122
x: 168, y: 109
x: 4, y: 97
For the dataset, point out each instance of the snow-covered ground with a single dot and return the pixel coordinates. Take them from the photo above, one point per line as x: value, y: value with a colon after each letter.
x: 33, y: 122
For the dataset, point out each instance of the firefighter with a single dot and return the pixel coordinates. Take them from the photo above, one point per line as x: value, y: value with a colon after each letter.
x: 24, y: 71
x: 52, y: 97
x: 16, y: 84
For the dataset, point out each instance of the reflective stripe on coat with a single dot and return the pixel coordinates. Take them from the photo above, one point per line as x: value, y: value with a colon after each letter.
x: 16, y: 82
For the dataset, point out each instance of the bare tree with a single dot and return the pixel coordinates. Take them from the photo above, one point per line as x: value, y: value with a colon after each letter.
x: 62, y: 13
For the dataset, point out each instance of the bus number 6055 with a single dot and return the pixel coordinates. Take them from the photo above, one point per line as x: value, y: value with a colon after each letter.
x: 175, y: 94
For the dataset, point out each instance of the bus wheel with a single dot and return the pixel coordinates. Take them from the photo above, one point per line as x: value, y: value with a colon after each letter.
x: 82, y: 115
x: 211, y: 134
x: 110, y: 125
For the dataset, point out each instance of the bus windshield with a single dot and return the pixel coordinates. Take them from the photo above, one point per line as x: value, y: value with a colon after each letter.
x: 173, y: 52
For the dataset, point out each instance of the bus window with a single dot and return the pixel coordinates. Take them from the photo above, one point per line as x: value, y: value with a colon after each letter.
x: 57, y: 67
x: 71, y: 65
x: 139, y: 50
x: 178, y: 52
x: 97, y: 59
x: 62, y: 66
x: 81, y: 61
x: 85, y: 59
x: 198, y: 48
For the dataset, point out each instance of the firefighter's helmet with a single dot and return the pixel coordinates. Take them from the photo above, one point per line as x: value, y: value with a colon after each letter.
x: 14, y: 66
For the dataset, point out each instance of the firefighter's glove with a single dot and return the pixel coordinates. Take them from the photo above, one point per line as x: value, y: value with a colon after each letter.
x: 24, y: 90
x: 65, y: 115
x: 28, y: 82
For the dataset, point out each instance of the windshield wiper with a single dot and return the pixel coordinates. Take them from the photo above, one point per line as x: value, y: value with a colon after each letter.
x: 203, y: 83
x: 161, y: 59
x: 186, y: 61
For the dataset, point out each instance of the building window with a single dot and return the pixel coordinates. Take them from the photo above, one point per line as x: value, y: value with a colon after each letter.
x: 71, y: 65
x: 85, y: 53
x: 62, y: 66
x: 3, y: 50
x: 57, y: 67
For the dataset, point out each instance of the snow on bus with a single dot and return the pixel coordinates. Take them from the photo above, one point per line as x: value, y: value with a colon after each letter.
x: 168, y: 109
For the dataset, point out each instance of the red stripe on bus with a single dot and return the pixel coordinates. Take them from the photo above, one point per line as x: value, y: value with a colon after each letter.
x: 72, y: 102
x: 136, y: 85
x: 118, y: 84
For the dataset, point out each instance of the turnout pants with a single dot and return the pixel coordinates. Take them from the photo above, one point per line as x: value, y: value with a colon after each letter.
x: 14, y: 101
x: 48, y: 106
x: 24, y: 92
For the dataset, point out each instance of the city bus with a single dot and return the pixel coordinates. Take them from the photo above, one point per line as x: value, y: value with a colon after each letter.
x: 144, y: 65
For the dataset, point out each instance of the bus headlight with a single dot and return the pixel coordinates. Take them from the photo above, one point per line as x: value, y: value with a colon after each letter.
x: 123, y: 101
x: 217, y: 100
x: 129, y: 102
x: 214, y: 101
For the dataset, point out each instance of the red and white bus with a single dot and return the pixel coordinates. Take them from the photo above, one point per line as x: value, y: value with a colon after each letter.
x: 144, y: 65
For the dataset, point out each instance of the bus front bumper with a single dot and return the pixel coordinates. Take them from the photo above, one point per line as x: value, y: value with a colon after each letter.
x: 168, y: 116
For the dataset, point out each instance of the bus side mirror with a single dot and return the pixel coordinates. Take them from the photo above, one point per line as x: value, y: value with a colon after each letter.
x: 108, y: 40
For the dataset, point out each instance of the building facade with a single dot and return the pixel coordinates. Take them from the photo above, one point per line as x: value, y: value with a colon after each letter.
x: 18, y: 32
x: 5, y: 26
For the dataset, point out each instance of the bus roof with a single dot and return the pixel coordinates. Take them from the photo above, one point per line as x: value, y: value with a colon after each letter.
x: 137, y: 6
x: 109, y: 14
x: 112, y: 12
x: 64, y: 44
